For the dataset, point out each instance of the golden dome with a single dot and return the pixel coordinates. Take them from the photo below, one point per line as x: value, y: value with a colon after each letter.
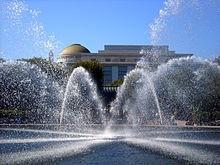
x: 74, y: 49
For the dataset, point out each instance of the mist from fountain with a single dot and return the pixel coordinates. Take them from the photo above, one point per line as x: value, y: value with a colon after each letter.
x: 81, y: 105
x: 26, y: 88
x: 183, y: 85
x: 127, y: 106
x: 140, y: 106
x: 187, y: 85
x: 22, y: 30
x: 130, y: 106
x: 148, y: 93
x: 135, y: 97
x: 156, y: 100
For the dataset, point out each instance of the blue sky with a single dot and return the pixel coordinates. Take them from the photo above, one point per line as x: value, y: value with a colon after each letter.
x: 194, y: 28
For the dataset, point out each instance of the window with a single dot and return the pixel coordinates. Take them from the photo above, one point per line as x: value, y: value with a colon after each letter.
x: 122, y: 60
x: 107, y: 74
x: 122, y: 70
x: 107, y: 60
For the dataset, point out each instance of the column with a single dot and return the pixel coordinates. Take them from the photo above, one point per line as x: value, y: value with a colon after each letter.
x: 114, y: 72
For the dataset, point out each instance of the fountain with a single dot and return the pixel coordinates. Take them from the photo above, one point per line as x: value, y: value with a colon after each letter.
x: 81, y: 105
x: 152, y: 93
x: 130, y: 102
x: 21, y: 84
x: 175, y: 87
x: 22, y: 31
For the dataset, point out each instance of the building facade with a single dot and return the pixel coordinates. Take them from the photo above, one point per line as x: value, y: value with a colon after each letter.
x: 117, y: 60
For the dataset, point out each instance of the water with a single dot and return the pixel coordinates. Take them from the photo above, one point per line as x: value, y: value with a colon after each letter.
x: 156, y: 100
x: 180, y: 86
x: 24, y: 87
x: 22, y: 32
x: 64, y: 121
x: 81, y: 105
x: 171, y: 8
x: 122, y: 145
x: 130, y: 104
x: 22, y: 83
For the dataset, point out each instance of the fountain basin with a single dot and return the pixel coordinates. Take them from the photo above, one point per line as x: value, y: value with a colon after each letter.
x: 119, y: 144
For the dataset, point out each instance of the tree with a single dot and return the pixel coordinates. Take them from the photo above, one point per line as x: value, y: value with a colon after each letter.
x: 94, y: 67
x: 117, y: 82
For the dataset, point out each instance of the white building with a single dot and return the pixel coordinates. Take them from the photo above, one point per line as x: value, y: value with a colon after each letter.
x: 117, y: 60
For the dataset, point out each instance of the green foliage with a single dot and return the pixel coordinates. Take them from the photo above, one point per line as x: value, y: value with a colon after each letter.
x: 11, y: 112
x: 13, y: 116
x: 94, y: 67
x: 204, y: 117
x: 117, y: 82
